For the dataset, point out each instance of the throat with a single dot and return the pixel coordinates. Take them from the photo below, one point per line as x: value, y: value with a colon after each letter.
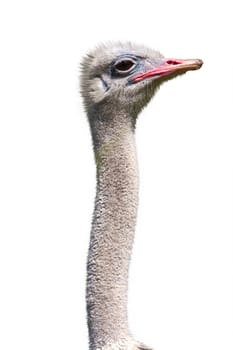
x: 112, y: 233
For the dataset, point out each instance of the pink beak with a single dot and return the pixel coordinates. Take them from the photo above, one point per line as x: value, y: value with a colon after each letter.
x: 169, y: 67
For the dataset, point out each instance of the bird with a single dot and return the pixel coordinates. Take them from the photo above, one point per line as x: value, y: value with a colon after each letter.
x: 117, y: 81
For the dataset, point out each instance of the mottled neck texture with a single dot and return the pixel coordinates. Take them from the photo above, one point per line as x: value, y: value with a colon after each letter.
x: 113, y: 229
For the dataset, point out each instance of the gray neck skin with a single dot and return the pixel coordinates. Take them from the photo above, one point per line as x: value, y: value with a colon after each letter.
x: 113, y: 228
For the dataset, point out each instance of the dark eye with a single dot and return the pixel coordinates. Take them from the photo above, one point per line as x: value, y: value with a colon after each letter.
x: 124, y: 66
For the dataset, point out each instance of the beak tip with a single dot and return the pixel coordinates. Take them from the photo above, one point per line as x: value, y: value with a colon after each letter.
x: 199, y: 63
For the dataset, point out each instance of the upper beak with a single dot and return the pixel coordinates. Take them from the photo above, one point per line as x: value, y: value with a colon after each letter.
x: 168, y: 67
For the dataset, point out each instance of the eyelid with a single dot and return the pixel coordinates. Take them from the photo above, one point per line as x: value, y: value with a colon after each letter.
x: 124, y: 59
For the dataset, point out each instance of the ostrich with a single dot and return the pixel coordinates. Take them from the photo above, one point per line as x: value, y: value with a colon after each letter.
x: 117, y: 81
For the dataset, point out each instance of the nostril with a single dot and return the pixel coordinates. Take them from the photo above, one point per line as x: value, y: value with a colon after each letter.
x: 173, y: 62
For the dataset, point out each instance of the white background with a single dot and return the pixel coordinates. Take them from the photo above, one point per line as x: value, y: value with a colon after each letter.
x: 181, y: 274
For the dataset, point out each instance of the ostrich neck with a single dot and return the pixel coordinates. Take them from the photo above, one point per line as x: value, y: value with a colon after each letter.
x: 112, y: 229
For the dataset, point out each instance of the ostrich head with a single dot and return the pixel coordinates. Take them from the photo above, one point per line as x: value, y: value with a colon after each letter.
x: 124, y: 77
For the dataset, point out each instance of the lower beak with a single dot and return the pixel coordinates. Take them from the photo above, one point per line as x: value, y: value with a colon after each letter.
x: 169, y: 67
